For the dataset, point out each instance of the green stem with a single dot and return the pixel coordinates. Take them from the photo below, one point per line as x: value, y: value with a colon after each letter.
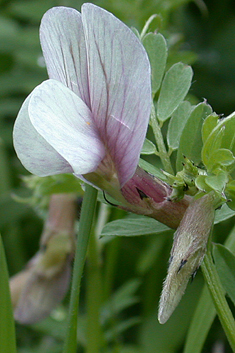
x: 95, y: 339
x: 218, y: 297
x: 160, y: 143
x: 87, y: 214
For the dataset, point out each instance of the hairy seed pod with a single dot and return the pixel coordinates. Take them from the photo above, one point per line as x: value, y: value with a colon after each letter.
x: 189, y: 247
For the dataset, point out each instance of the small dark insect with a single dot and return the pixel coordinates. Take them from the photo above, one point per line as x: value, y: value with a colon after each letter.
x: 183, y: 262
x: 142, y: 194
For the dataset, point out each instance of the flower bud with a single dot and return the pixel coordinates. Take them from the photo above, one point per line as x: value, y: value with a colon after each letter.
x: 189, y: 247
x: 42, y: 285
x: 35, y: 293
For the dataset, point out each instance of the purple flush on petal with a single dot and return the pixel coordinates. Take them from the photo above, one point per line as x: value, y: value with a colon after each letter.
x: 91, y: 116
x: 149, y: 196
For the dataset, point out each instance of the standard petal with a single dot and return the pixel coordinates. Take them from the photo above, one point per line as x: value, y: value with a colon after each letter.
x: 64, y: 49
x: 66, y: 123
x: 120, y: 86
x: 34, y: 152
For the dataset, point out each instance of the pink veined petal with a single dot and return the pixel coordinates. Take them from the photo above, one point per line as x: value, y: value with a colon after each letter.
x: 66, y: 123
x: 34, y: 152
x: 120, y: 87
x: 64, y: 50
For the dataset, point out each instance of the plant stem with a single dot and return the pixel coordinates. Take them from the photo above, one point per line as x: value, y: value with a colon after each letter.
x: 95, y: 340
x: 218, y: 297
x: 87, y: 214
x: 160, y: 143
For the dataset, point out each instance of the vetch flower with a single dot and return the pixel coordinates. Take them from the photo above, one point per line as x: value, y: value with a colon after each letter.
x: 90, y: 118
x: 187, y: 253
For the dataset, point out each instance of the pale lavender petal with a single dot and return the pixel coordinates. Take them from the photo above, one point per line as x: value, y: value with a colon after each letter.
x: 64, y: 49
x: 66, y: 123
x: 120, y: 87
x: 34, y: 152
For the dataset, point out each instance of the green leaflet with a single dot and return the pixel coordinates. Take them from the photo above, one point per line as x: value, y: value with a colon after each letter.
x: 156, y: 47
x: 209, y: 124
x: 191, y: 141
x: 223, y: 213
x: 220, y: 138
x: 133, y: 226
x: 220, y: 158
x: 152, y: 169
x: 177, y: 123
x: 148, y: 147
x: 175, y: 86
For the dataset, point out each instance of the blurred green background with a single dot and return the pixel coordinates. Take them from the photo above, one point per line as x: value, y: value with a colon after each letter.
x: 199, y: 33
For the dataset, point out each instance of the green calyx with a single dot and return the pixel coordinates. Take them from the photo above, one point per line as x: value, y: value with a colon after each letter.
x: 184, y: 181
